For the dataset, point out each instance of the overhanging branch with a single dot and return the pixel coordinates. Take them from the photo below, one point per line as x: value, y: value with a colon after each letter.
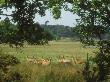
x: 6, y: 14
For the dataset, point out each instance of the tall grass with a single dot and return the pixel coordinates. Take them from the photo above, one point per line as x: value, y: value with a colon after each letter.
x: 26, y: 72
x: 51, y: 73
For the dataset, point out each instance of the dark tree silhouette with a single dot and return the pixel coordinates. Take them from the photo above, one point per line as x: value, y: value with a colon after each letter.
x: 23, y: 15
x: 46, y: 22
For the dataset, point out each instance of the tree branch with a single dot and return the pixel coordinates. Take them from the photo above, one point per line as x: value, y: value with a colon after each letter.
x: 6, y: 14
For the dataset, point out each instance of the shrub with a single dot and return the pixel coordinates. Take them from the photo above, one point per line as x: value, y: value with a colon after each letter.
x: 6, y: 62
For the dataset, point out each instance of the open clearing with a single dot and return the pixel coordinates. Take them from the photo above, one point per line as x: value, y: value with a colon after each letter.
x: 53, y: 50
x: 56, y: 72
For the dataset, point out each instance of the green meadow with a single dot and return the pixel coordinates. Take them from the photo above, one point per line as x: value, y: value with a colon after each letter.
x: 54, y: 72
x: 53, y: 49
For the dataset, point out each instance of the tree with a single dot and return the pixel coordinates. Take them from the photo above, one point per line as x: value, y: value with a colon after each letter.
x: 94, y: 23
x: 23, y: 15
x: 46, y: 22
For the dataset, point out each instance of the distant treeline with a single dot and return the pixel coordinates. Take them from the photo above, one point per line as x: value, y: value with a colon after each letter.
x: 60, y: 31
x: 9, y: 33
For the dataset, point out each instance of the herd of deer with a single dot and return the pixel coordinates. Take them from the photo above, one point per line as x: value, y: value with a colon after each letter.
x: 41, y: 61
x: 61, y: 60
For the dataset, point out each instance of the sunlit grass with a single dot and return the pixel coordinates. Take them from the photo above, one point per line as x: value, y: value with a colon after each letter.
x: 51, y: 73
x: 54, y: 72
x: 53, y: 50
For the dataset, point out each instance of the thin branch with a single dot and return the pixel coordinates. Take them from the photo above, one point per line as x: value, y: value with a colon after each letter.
x: 6, y: 14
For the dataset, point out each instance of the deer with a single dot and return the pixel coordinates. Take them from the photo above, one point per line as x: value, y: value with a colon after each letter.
x: 30, y: 59
x: 78, y: 60
x: 44, y: 61
x: 63, y: 60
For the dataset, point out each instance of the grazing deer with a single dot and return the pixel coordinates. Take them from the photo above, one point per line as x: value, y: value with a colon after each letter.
x: 63, y: 60
x: 78, y: 60
x: 44, y: 61
x: 74, y: 60
x: 30, y: 59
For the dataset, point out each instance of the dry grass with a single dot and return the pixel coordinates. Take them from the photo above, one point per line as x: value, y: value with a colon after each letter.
x: 51, y: 73
x: 53, y: 50
x: 60, y: 69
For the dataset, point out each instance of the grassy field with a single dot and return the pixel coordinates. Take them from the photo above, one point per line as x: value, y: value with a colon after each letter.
x: 30, y: 72
x: 53, y: 50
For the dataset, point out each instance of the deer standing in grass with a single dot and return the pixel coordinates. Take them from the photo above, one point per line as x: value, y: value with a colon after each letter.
x: 30, y: 59
x: 78, y: 60
x: 63, y: 60
x: 43, y: 61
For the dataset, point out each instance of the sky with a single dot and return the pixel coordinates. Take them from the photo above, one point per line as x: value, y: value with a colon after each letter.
x: 67, y: 18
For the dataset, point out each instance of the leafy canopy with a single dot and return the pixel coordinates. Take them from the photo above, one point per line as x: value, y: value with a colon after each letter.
x: 23, y: 15
x: 93, y: 28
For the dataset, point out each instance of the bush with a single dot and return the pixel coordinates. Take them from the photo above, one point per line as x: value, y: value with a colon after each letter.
x: 14, y: 77
x: 6, y: 62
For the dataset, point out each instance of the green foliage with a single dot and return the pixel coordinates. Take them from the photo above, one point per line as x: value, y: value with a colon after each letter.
x: 2, y: 1
x: 57, y: 5
x: 14, y: 77
x: 9, y: 34
x: 6, y: 62
x: 90, y: 71
x: 57, y: 12
x: 48, y: 36
x: 59, y: 31
x: 103, y: 60
x: 23, y: 15
x: 94, y: 23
